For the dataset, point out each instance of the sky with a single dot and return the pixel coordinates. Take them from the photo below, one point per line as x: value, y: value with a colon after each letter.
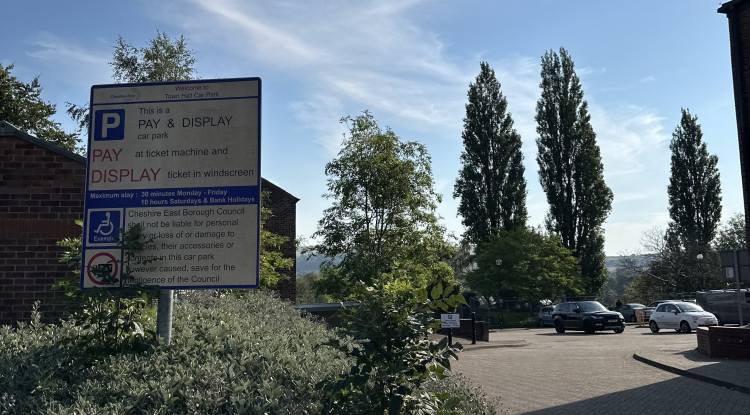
x: 410, y: 63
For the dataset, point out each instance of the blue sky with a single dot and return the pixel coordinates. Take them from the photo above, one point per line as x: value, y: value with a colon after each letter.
x: 410, y: 62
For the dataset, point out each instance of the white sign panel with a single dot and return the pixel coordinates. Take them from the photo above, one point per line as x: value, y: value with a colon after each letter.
x: 182, y: 160
x: 450, y: 321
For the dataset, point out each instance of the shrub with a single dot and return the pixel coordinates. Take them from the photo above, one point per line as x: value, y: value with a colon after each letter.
x: 229, y: 354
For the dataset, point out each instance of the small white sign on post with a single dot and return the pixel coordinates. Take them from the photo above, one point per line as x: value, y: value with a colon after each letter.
x: 450, y: 321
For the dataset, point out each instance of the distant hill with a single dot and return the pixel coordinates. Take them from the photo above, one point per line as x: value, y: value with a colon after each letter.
x: 613, y: 262
x: 305, y: 264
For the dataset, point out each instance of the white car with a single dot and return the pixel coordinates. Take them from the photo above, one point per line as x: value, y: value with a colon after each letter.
x: 681, y: 316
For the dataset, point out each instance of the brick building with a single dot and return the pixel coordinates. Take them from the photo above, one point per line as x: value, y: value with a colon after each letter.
x: 42, y: 190
x: 738, y: 15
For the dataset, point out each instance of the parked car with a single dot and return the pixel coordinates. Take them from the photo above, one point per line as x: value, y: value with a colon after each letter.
x: 652, y: 306
x: 545, y: 316
x: 628, y: 311
x: 681, y: 316
x: 589, y: 316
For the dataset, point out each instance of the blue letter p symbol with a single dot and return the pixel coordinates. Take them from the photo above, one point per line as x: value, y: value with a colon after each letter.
x: 109, y: 125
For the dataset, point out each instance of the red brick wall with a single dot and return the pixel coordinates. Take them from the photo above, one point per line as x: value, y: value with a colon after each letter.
x: 41, y: 196
x: 283, y: 205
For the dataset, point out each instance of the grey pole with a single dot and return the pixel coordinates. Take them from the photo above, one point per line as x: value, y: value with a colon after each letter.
x: 473, y: 328
x: 164, y: 315
x: 737, y: 279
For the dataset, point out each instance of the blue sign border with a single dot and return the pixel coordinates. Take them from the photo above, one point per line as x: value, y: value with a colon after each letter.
x: 119, y: 199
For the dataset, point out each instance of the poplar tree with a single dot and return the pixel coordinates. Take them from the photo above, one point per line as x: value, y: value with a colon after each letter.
x: 570, y: 168
x: 491, y: 186
x: 694, y: 186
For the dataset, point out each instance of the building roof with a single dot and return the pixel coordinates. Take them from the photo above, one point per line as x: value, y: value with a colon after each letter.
x: 728, y: 6
x: 9, y: 130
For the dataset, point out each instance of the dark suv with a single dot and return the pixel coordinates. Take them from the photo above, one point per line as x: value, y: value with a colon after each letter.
x: 589, y: 316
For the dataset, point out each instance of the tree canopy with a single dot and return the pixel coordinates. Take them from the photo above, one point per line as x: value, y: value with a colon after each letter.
x: 490, y: 185
x: 162, y: 60
x: 534, y: 266
x: 570, y: 167
x: 732, y: 234
x: 382, y: 226
x: 21, y: 104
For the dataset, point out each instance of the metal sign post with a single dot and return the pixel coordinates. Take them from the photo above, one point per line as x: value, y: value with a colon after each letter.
x: 182, y: 161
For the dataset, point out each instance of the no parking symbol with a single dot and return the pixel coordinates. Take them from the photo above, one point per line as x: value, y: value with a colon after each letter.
x: 103, y: 268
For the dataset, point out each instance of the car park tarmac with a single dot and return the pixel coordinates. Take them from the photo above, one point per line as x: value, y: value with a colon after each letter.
x: 537, y: 371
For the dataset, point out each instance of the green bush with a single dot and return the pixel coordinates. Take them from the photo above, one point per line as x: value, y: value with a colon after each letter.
x: 229, y: 354
x: 458, y: 396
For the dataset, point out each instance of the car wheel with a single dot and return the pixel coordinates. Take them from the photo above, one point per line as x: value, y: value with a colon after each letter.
x: 541, y: 323
x: 588, y: 327
x: 559, y: 327
x: 633, y: 320
x: 685, y: 327
x: 653, y: 326
x: 618, y: 331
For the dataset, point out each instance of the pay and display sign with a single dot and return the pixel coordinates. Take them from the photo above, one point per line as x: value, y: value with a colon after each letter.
x: 182, y: 160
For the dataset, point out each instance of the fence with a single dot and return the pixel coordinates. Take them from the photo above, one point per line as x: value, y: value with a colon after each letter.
x: 506, y: 312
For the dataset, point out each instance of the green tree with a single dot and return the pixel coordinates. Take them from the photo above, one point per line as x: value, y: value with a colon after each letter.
x: 272, y: 260
x: 694, y: 186
x: 162, y: 60
x: 490, y: 185
x: 305, y: 292
x: 533, y: 266
x: 21, y: 104
x: 382, y: 226
x: 570, y: 168
x: 395, y: 355
x: 732, y: 234
x: 462, y: 261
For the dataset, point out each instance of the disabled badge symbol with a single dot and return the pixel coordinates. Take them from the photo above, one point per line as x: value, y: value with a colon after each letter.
x: 107, y: 224
x: 104, y: 227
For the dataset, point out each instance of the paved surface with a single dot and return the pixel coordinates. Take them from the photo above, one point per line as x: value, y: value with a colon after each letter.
x: 538, y: 371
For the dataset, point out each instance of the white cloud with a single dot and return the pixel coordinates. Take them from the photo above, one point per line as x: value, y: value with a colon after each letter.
x: 359, y: 56
x: 373, y: 55
x: 71, y: 61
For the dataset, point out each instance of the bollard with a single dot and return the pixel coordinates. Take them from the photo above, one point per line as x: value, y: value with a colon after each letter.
x: 473, y: 328
x: 450, y: 337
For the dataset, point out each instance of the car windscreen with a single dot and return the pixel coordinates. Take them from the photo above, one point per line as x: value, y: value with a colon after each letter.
x: 685, y: 307
x: 589, y: 306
